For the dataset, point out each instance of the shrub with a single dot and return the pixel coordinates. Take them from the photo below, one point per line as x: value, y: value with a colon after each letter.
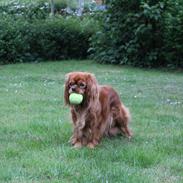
x: 173, y: 34
x: 131, y: 34
x: 136, y: 32
x: 29, y: 11
x: 53, y: 38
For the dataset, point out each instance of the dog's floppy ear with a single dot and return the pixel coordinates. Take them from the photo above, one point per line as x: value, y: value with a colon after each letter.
x: 92, y: 88
x: 66, y: 89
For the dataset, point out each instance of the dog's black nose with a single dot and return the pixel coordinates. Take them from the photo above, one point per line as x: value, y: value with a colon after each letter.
x: 73, y: 88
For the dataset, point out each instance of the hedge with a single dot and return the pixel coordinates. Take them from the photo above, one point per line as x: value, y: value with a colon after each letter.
x: 144, y: 33
x: 44, y: 39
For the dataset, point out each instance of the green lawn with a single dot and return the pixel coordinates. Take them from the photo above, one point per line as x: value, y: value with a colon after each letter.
x: 35, y: 127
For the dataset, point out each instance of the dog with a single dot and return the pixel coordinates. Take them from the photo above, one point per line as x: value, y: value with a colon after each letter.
x: 101, y: 112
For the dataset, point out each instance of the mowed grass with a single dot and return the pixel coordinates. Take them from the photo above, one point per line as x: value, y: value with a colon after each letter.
x: 35, y: 126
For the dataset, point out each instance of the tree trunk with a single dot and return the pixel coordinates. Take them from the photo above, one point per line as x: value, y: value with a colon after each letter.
x: 81, y: 7
x: 52, y: 7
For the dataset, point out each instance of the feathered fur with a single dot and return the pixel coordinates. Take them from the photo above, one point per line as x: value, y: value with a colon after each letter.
x: 101, y: 112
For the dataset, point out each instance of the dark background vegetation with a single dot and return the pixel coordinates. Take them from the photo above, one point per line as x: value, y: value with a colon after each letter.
x: 143, y: 33
x: 29, y: 33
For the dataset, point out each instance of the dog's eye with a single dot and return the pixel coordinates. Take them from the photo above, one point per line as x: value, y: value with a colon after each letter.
x: 82, y: 85
x: 71, y: 84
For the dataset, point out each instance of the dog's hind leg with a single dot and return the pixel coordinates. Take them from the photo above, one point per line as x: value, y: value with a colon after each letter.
x: 121, y: 120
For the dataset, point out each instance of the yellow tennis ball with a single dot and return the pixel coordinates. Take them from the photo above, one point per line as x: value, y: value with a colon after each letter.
x: 75, y: 98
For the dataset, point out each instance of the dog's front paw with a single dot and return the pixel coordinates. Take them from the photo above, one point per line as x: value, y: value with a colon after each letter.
x: 91, y: 145
x: 72, y: 140
x: 77, y: 145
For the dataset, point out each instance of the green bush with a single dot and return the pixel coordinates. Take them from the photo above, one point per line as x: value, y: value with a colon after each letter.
x: 137, y: 32
x: 173, y: 34
x: 53, y: 38
x: 27, y: 10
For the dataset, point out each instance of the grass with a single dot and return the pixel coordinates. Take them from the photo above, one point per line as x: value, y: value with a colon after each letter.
x: 35, y: 127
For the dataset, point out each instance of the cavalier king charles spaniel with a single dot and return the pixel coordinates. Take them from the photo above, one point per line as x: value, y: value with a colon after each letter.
x: 101, y: 112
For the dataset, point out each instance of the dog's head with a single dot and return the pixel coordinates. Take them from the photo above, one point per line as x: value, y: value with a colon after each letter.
x: 82, y: 83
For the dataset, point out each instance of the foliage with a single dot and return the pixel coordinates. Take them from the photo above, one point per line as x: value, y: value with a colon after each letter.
x: 135, y: 33
x: 52, y: 38
x: 28, y: 33
x: 27, y: 10
x: 60, y: 4
x: 41, y: 8
x: 174, y: 34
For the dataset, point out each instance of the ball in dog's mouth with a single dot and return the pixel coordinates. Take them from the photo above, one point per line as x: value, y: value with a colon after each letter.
x: 75, y: 98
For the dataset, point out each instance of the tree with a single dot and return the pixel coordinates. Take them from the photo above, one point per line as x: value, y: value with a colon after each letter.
x: 80, y: 7
x: 52, y: 7
x: 132, y: 33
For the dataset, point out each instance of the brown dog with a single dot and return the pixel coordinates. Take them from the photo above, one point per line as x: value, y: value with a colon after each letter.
x: 100, y: 113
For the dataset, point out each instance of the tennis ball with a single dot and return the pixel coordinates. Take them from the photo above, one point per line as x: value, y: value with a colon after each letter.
x: 75, y: 98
